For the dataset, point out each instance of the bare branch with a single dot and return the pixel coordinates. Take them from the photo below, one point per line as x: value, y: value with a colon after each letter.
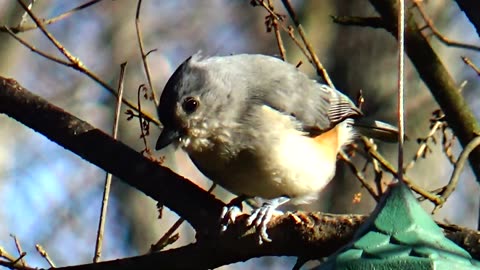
x: 108, y: 177
x: 74, y: 62
x: 359, y: 175
x: 274, y: 24
x: 20, y: 251
x: 436, y: 33
x: 318, y: 65
x: 459, y: 165
x: 471, y: 64
x: 326, y: 233
x: 144, y: 55
x: 24, y: 28
x: 401, y: 86
x: 44, y: 254
x: 389, y: 168
x: 430, y: 68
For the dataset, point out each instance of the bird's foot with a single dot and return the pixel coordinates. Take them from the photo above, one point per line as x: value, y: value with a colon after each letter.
x: 230, y: 212
x: 262, y: 215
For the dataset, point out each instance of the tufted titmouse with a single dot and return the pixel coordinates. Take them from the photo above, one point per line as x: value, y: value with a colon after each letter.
x: 258, y: 127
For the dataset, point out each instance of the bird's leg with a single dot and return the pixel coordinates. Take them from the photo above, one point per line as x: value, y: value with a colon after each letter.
x: 231, y: 211
x: 262, y: 215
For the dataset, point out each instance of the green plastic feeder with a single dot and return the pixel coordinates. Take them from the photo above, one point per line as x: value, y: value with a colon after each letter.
x: 400, y: 235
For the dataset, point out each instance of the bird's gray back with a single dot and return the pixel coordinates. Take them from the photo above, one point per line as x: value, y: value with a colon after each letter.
x: 265, y: 80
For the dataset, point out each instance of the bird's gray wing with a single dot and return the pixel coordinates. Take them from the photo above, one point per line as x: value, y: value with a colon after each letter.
x: 317, y: 107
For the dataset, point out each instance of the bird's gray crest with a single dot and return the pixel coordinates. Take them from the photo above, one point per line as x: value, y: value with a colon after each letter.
x: 173, y: 91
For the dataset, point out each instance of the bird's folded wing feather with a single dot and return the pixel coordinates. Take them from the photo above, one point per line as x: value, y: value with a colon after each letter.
x: 315, y: 106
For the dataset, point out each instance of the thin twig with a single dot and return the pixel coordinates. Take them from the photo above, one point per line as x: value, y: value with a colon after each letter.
x: 76, y: 64
x: 24, y: 28
x: 359, y: 175
x: 45, y: 255
x: 376, y: 167
x: 289, y: 30
x: 436, y: 33
x: 401, y: 86
x: 14, y: 265
x: 423, y: 148
x: 53, y: 40
x: 389, y: 168
x: 144, y: 55
x: 318, y: 65
x: 458, y: 168
x: 20, y: 259
x: 19, y: 250
x: 447, y: 143
x: 168, y: 238
x: 4, y: 254
x: 24, y: 16
x: 35, y: 50
x: 291, y: 34
x: 276, y: 29
x: 108, y: 178
x: 471, y: 64
x: 143, y: 136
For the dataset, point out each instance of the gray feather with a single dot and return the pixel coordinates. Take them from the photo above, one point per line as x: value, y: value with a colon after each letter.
x: 280, y: 85
x: 376, y: 129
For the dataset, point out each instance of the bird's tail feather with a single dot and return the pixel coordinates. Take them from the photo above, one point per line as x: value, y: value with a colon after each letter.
x: 376, y: 129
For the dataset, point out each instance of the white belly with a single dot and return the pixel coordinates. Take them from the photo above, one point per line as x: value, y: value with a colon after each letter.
x: 280, y: 161
x: 294, y: 166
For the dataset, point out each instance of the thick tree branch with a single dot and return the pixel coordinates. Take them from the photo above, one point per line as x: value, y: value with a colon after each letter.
x: 182, y: 196
x: 430, y: 68
x: 308, y: 235
x: 472, y: 11
x: 305, y: 235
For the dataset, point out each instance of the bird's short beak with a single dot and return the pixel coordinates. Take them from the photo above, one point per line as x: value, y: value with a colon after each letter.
x: 166, y: 137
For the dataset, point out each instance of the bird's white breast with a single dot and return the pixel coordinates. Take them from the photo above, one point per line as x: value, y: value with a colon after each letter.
x: 276, y: 158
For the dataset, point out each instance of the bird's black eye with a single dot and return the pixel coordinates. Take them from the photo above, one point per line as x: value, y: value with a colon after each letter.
x: 190, y: 104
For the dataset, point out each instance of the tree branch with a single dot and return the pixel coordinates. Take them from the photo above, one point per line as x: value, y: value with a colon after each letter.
x: 470, y: 8
x: 308, y: 235
x: 430, y: 68
x: 305, y: 235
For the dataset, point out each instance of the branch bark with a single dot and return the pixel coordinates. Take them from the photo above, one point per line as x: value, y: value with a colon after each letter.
x: 432, y: 71
x: 188, y: 200
x: 306, y: 235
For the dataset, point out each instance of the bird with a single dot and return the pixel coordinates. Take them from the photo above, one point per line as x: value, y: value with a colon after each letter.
x: 260, y: 128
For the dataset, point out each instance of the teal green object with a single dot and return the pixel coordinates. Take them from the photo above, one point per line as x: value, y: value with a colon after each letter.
x: 400, y: 235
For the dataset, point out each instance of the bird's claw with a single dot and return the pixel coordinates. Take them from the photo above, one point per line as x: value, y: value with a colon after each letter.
x: 230, y: 212
x: 228, y: 216
x: 260, y: 218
